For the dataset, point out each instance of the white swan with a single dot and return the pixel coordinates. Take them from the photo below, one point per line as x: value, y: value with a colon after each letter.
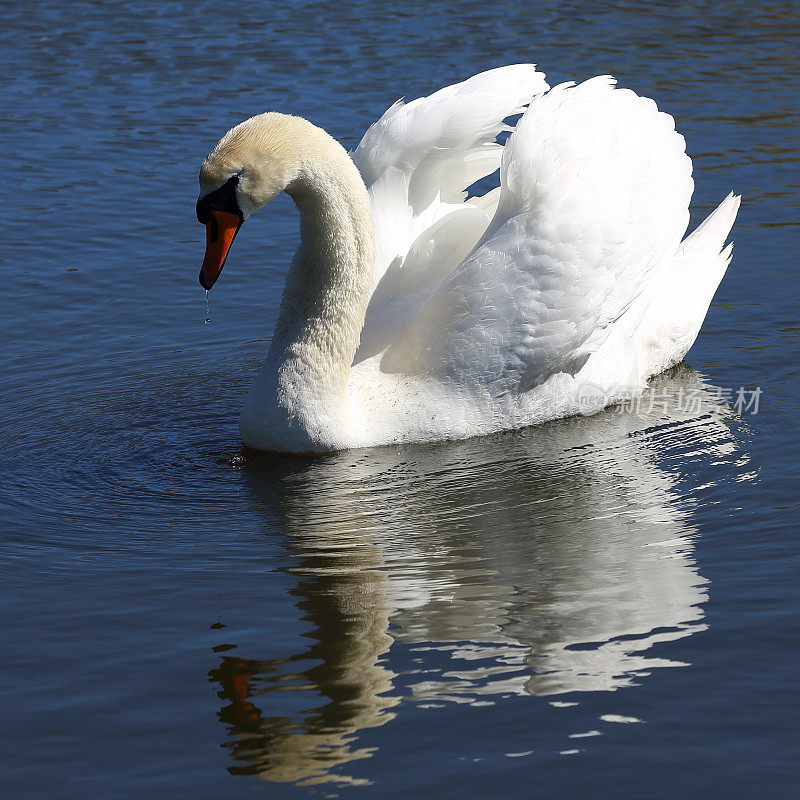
x: 413, y: 313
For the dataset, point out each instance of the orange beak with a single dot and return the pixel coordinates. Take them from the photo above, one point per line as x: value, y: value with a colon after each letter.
x: 221, y: 230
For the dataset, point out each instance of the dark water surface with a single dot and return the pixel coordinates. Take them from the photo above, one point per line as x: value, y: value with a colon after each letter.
x: 601, y: 607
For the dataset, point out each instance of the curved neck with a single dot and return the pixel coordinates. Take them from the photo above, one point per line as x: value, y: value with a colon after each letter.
x: 330, y: 279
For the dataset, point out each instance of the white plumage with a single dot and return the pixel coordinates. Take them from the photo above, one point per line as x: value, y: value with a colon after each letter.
x: 476, y: 314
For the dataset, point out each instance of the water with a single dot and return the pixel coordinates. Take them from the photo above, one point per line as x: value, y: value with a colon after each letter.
x: 605, y: 606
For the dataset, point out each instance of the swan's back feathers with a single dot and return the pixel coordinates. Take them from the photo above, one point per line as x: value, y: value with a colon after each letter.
x: 595, y: 188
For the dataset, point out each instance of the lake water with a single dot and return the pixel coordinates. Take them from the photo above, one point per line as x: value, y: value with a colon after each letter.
x: 602, y: 607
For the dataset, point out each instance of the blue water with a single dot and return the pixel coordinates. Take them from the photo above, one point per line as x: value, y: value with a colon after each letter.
x: 602, y: 607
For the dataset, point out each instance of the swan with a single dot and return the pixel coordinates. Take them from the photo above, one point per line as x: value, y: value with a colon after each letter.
x: 415, y: 311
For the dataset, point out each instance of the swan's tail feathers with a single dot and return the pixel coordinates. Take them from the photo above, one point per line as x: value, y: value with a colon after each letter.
x: 683, y: 293
x: 703, y: 250
x: 702, y: 259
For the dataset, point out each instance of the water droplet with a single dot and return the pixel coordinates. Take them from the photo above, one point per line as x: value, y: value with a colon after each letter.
x: 207, y: 320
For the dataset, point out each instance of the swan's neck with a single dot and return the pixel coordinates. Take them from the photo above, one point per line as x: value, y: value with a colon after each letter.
x: 329, y: 282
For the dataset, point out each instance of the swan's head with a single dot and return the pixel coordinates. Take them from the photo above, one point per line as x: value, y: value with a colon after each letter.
x: 250, y: 165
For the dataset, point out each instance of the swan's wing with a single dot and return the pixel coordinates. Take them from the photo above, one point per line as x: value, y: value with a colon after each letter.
x: 419, y: 157
x: 595, y: 187
x: 417, y: 161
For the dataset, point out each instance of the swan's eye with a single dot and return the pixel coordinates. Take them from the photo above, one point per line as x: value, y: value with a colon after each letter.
x: 222, y: 199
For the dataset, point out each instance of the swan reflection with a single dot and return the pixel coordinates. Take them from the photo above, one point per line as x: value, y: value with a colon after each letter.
x: 541, y: 562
